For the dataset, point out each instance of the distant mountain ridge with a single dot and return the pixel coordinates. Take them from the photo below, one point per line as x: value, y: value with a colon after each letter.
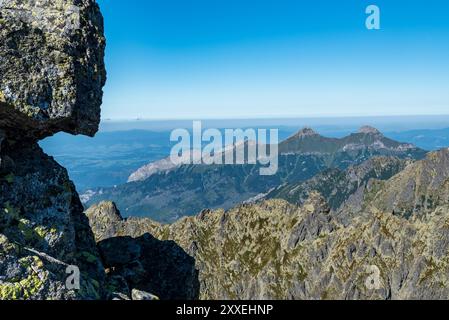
x: 304, y: 141
x: 186, y: 190
x: 308, y: 141
x: 168, y: 164
x: 163, y: 165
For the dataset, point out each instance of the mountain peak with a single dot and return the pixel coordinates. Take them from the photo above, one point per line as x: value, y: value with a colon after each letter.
x: 369, y: 130
x: 306, y: 132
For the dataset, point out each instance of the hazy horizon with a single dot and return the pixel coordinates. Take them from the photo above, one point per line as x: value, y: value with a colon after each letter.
x: 383, y: 123
x: 280, y: 59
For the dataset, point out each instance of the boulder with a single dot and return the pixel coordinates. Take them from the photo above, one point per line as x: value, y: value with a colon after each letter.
x: 51, y: 67
x: 142, y: 295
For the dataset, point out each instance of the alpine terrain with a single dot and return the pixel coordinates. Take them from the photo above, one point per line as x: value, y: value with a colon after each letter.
x: 393, y: 246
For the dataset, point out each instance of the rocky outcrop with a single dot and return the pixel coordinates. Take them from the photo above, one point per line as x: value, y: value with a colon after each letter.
x: 142, y: 262
x: 51, y: 67
x: 51, y: 79
x: 43, y: 229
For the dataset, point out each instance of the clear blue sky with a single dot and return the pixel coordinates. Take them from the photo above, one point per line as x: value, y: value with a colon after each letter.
x: 172, y: 59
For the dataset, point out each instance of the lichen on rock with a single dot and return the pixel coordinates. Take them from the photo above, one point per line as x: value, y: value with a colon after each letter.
x: 277, y: 250
x: 51, y: 78
x: 51, y: 66
x: 40, y: 210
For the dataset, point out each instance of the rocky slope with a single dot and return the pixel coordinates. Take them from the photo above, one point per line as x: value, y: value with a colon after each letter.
x: 51, y: 79
x: 186, y: 190
x: 417, y: 190
x: 338, y: 185
x: 394, y: 246
x: 276, y: 250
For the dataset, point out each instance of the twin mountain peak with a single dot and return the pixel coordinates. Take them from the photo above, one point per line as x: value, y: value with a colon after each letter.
x: 309, y: 141
x: 309, y: 132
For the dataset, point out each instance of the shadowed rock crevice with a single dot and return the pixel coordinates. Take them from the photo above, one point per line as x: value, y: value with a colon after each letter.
x: 148, y: 264
x: 136, y: 260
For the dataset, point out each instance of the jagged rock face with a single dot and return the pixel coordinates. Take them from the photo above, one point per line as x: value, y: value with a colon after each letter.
x: 42, y: 229
x: 276, y: 250
x: 138, y: 261
x: 51, y: 67
x: 337, y: 185
x: 417, y: 190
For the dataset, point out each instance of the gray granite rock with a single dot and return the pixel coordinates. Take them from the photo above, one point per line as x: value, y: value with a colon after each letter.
x: 51, y: 66
x: 51, y: 78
